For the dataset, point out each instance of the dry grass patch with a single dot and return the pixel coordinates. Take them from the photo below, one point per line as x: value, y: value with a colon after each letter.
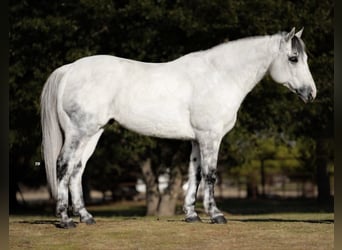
x: 269, y: 231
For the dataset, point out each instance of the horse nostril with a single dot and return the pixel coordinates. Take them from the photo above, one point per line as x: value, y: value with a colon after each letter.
x: 311, y: 96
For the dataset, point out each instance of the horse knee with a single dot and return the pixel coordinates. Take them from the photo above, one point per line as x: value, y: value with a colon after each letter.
x: 210, y: 177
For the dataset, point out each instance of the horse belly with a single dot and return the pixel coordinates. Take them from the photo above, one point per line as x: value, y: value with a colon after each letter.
x: 157, y: 120
x: 156, y: 109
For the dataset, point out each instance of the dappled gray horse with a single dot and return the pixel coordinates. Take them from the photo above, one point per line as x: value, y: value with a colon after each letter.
x: 195, y: 97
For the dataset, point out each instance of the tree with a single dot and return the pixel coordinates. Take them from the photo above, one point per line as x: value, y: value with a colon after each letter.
x: 169, y: 158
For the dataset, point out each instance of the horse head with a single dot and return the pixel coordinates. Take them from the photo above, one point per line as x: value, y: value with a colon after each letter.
x: 290, y: 66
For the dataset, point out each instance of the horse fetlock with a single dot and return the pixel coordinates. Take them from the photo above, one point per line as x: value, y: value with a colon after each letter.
x: 61, y: 209
x: 76, y: 210
x: 85, y: 216
x: 189, y: 210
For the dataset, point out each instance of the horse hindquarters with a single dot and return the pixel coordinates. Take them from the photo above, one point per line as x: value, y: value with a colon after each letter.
x: 65, y: 159
x: 71, y: 163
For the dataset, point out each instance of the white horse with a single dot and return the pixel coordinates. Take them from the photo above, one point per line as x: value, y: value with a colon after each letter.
x: 195, y: 97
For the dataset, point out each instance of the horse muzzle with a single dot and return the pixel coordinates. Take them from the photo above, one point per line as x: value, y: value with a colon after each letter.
x: 307, y: 94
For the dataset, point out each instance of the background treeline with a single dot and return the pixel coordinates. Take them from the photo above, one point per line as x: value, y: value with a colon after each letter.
x: 274, y: 127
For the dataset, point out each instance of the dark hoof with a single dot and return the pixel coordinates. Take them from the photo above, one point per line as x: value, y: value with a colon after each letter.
x: 89, y: 221
x: 219, y: 220
x: 67, y: 225
x: 193, y: 219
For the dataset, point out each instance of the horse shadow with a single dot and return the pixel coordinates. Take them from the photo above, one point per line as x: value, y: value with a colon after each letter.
x: 244, y: 208
x: 323, y: 221
x: 55, y: 223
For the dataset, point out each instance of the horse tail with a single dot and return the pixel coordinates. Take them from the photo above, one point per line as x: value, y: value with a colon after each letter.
x: 52, y: 127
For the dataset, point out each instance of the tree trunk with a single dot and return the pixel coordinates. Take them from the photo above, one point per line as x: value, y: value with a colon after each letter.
x: 263, y: 178
x: 13, y: 202
x: 252, y: 187
x: 13, y: 187
x: 168, y: 200
x: 152, y: 192
x: 323, y: 179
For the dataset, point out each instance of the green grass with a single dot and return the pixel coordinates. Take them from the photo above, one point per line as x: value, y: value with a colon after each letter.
x: 125, y: 228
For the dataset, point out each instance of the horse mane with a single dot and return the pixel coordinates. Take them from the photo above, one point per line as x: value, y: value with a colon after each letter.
x: 296, y: 42
x: 243, y: 39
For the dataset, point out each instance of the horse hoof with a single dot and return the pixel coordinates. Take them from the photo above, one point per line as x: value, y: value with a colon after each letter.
x: 193, y: 219
x: 219, y: 220
x: 89, y: 221
x: 67, y: 224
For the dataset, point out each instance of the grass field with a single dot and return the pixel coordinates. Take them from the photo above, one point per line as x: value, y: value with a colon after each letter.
x: 266, y: 225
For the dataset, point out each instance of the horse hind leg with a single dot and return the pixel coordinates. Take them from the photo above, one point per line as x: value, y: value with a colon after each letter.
x: 75, y: 184
x: 68, y: 162
x: 65, y: 164
x: 194, y: 181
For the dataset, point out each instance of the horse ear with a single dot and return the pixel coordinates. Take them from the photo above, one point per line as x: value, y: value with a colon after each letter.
x: 299, y: 33
x: 290, y: 35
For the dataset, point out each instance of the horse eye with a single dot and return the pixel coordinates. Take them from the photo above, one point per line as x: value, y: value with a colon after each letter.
x: 293, y: 59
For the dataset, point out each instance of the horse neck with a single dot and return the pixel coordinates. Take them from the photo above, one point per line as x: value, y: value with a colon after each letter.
x: 245, y: 62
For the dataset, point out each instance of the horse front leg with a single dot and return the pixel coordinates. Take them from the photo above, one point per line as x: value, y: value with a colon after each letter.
x: 209, y: 149
x: 194, y: 181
